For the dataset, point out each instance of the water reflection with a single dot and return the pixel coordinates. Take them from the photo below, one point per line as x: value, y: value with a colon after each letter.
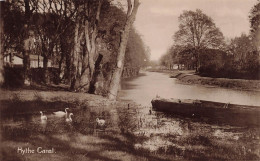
x: 144, y: 88
x: 83, y: 121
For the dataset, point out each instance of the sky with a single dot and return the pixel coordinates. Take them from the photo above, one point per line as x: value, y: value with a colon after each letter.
x: 157, y: 20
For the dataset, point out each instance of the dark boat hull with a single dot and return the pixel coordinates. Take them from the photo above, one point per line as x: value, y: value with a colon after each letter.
x: 213, y: 112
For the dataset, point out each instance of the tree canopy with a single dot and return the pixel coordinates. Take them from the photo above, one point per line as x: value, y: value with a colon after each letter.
x: 199, y: 44
x: 254, y: 19
x: 197, y: 30
x: 80, y: 38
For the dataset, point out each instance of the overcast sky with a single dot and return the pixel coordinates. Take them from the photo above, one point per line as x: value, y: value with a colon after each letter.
x: 157, y: 20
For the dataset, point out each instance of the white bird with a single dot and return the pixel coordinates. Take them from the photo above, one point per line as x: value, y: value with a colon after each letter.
x: 226, y: 105
x: 61, y: 113
x: 100, y: 122
x: 69, y: 119
x: 43, y: 117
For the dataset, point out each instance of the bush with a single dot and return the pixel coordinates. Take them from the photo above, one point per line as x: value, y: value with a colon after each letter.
x: 38, y: 75
x: 13, y: 77
x: 217, y: 64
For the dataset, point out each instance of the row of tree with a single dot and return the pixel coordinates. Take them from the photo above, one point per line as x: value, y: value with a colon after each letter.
x: 200, y: 45
x: 86, y: 40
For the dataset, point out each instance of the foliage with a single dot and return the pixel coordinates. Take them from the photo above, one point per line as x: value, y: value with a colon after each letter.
x: 242, y: 48
x: 213, y: 61
x: 166, y: 60
x: 13, y: 25
x: 254, y: 19
x: 197, y: 30
x: 200, y: 44
x: 240, y: 61
x: 53, y: 26
x: 178, y: 55
x: 135, y: 50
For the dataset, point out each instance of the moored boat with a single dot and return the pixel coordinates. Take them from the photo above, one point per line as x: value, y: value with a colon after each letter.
x: 209, y: 111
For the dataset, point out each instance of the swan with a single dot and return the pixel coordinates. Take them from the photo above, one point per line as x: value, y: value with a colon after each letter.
x: 69, y: 119
x: 61, y: 113
x: 100, y: 122
x: 226, y: 105
x: 43, y: 117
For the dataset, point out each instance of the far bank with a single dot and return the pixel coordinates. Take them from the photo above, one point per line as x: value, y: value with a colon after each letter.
x: 190, y: 77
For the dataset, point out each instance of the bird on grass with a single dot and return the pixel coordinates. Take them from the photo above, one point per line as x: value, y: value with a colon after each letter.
x: 61, y: 113
x: 43, y: 117
x: 69, y: 119
x: 100, y: 122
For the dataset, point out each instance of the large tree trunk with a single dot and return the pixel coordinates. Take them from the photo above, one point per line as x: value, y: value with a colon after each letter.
x: 88, y: 63
x: 45, y: 69
x: 116, y: 77
x: 61, y: 70
x: 92, y: 86
x: 26, y: 61
x: 65, y: 54
x: 88, y: 67
x: 84, y: 75
x: 68, y: 63
x: 27, y: 44
x: 75, y: 58
x: 2, y: 44
x: 45, y: 62
x: 196, y: 53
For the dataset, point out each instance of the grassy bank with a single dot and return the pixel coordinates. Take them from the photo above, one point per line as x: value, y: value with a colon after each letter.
x: 189, y: 77
x: 83, y: 139
x: 220, y: 82
x: 130, y: 132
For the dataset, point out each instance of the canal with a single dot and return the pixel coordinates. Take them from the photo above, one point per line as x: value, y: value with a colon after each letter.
x: 148, y: 85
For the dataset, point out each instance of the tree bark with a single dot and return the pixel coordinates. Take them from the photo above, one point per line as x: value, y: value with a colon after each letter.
x: 46, y: 54
x: 75, y: 57
x: 2, y: 45
x: 61, y: 70
x: 116, y: 77
x: 26, y: 43
x: 45, y: 69
x: 68, y: 63
x: 88, y: 63
x: 93, y: 81
x: 26, y: 60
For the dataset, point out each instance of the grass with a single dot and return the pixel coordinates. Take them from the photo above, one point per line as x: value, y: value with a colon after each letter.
x: 130, y: 133
x: 189, y: 77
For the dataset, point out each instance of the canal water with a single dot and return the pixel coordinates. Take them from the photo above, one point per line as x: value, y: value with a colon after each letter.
x: 148, y: 85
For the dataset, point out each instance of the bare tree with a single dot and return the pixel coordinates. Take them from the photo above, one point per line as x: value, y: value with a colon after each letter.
x: 115, y: 81
x: 75, y: 55
x: 197, y: 31
x: 52, y: 22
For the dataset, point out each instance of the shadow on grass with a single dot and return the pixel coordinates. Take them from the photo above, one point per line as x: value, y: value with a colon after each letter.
x: 62, y: 148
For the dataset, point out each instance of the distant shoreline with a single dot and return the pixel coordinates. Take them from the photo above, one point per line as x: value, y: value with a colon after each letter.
x: 189, y: 77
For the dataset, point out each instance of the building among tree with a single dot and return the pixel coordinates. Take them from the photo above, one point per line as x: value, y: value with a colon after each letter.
x: 16, y: 60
